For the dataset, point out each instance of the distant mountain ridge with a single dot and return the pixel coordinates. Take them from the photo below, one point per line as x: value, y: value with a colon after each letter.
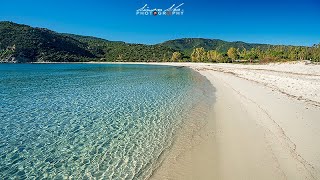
x: 23, y: 43
x: 186, y: 45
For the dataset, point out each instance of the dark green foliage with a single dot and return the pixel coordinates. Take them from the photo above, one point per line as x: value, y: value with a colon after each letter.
x: 187, y: 45
x: 247, y: 51
x: 38, y: 44
x: 22, y: 43
x: 121, y: 51
x: 138, y: 52
x: 281, y: 53
x: 28, y: 44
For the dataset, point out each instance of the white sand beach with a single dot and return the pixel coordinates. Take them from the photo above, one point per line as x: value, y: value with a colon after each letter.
x: 265, y: 124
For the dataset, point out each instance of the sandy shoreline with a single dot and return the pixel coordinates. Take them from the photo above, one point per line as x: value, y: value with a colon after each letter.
x: 264, y: 125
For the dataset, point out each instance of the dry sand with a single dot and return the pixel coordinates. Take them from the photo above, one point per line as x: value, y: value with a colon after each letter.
x: 265, y: 124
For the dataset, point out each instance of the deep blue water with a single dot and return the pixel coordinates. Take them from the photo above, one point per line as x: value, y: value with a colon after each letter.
x: 109, y: 121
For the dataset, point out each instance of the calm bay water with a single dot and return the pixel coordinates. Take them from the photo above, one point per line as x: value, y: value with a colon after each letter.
x: 110, y: 121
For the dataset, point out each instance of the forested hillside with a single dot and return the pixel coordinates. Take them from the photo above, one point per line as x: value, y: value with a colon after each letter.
x: 22, y: 43
x: 121, y: 51
x: 186, y: 45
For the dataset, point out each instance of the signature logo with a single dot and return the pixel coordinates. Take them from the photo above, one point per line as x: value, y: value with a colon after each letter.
x: 171, y: 11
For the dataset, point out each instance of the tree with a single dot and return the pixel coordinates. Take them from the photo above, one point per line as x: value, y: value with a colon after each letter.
x: 214, y: 56
x: 252, y: 54
x: 315, y: 53
x: 199, y: 55
x: 293, y: 53
x: 232, y: 53
x: 176, y: 56
x: 243, y: 53
x: 302, y: 55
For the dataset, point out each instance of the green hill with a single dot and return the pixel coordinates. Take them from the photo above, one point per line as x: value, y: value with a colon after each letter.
x: 187, y: 45
x: 23, y: 43
x: 121, y: 51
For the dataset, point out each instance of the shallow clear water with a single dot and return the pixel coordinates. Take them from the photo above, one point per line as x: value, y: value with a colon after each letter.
x: 109, y: 121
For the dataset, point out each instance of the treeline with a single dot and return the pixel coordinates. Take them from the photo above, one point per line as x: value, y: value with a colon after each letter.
x: 257, y: 54
x: 22, y: 43
x: 113, y: 51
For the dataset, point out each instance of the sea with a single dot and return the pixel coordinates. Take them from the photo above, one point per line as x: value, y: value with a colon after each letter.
x: 92, y: 121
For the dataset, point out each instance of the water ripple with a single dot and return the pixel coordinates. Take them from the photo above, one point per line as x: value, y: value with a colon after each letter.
x: 89, y: 120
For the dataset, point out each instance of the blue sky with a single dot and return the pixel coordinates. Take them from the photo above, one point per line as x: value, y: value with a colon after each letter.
x: 295, y: 22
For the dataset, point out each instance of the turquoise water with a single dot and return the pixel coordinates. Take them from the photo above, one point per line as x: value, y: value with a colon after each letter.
x: 110, y: 121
